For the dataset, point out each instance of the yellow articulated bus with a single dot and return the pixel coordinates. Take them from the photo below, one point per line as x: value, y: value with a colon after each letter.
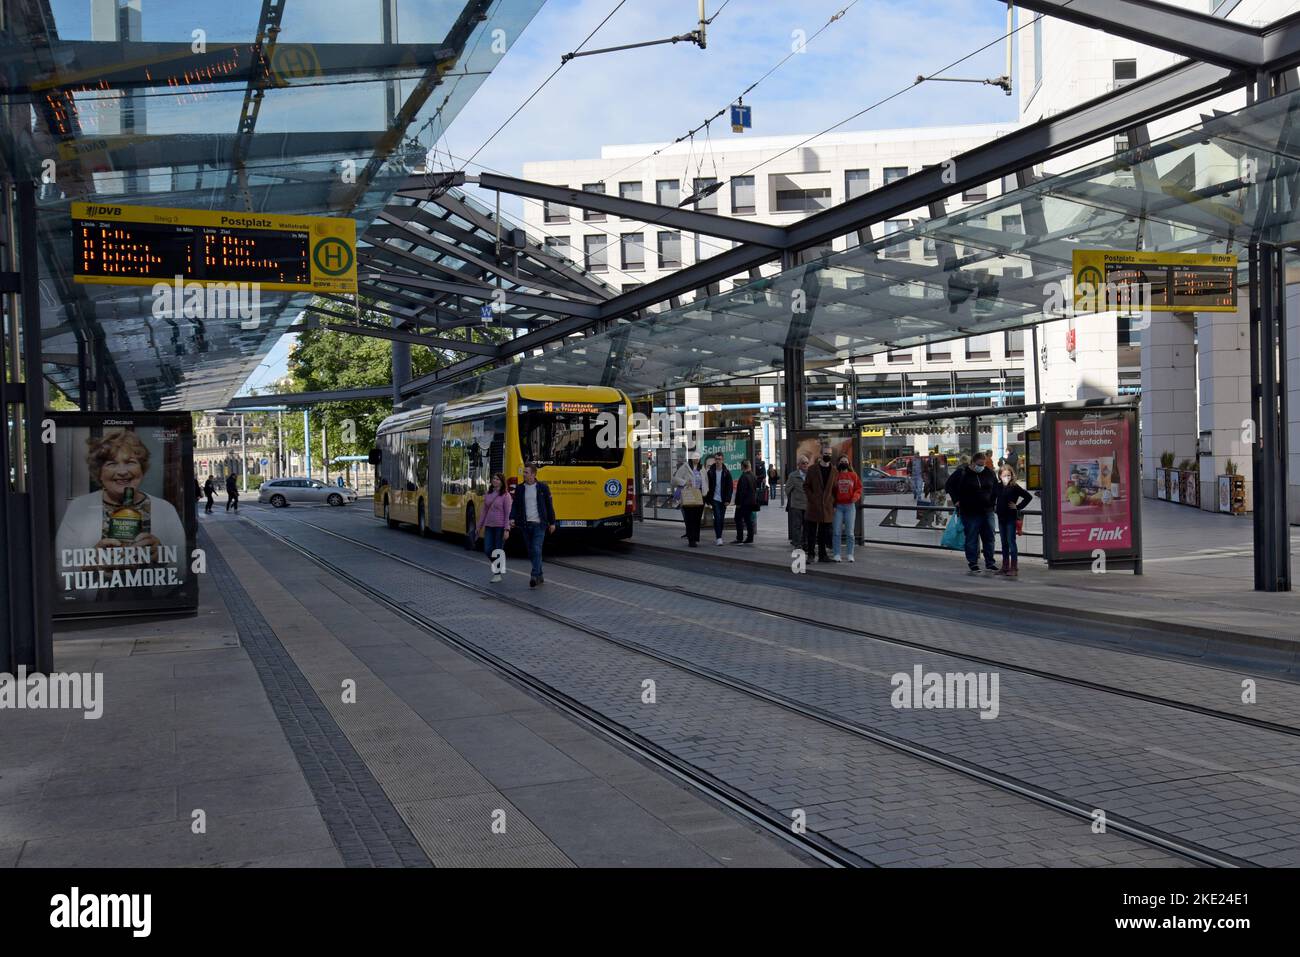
x: 434, y: 464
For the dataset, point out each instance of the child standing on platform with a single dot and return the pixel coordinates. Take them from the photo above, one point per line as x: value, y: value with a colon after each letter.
x: 1012, y: 499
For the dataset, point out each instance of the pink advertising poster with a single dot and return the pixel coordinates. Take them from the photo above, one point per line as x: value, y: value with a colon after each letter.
x: 1094, y: 494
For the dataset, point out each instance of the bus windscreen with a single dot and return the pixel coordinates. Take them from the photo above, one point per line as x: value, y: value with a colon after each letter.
x: 572, y: 433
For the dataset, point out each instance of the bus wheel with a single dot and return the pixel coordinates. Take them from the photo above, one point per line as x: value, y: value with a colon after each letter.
x: 471, y: 538
x: 391, y: 523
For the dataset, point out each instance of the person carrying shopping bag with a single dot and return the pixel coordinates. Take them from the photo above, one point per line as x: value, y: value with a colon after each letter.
x: 689, y: 484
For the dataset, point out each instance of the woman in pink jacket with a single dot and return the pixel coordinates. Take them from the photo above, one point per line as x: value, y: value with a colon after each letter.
x: 494, y: 523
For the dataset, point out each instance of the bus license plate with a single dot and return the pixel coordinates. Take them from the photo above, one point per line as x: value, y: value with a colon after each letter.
x: 573, y: 523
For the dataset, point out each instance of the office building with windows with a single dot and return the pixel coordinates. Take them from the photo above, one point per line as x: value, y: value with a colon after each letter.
x: 787, y: 182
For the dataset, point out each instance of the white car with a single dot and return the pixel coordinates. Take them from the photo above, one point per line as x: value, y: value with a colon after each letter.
x: 286, y: 491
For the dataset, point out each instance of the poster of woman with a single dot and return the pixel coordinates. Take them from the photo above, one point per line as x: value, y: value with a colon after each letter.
x: 123, y: 513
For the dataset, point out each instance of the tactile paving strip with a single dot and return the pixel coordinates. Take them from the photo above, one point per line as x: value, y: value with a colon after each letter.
x: 446, y: 802
x: 362, y: 821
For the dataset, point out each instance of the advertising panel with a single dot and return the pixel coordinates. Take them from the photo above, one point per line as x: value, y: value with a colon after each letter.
x: 1091, y: 497
x: 810, y: 443
x: 124, y: 513
x: 733, y: 446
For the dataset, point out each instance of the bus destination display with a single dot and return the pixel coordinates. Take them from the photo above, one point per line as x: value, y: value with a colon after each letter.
x: 1157, y: 282
x: 141, y: 245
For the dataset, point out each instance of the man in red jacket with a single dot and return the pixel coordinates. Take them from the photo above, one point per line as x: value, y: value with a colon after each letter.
x: 848, y: 490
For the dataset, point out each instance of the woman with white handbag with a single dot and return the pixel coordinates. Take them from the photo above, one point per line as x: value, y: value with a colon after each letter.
x: 689, y: 481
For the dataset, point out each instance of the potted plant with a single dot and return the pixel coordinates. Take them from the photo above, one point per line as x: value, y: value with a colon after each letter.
x: 1162, y: 475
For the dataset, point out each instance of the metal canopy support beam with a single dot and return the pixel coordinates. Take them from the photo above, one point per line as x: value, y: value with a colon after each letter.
x: 1161, y: 94
x: 24, y: 496
x: 309, y: 398
x: 399, y: 335
x: 487, y: 266
x: 259, y: 78
x: 1157, y: 95
x: 1272, y: 545
x: 135, y: 65
x: 471, y: 15
x: 1197, y: 36
x: 547, y: 304
x: 793, y: 374
x: 1281, y: 43
x: 686, y: 220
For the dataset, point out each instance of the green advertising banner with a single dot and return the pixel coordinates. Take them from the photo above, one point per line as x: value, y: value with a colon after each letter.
x: 733, y: 448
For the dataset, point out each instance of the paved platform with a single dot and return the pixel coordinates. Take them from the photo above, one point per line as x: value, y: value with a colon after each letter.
x: 240, y: 713
x: 740, y: 654
x: 1197, y: 581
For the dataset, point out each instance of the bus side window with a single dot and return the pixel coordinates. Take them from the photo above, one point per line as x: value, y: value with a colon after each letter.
x: 497, y: 448
x: 420, y: 465
x: 497, y: 454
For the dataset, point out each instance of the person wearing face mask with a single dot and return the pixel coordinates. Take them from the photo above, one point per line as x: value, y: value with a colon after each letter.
x: 796, y: 501
x: 718, y: 493
x: 973, y: 491
x: 848, y: 491
x: 1012, y: 500
x: 819, y: 509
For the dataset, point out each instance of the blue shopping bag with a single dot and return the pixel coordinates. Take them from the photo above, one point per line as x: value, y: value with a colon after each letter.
x: 954, y: 536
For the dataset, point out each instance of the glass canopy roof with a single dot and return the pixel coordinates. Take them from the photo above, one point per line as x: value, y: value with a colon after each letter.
x: 982, y: 270
x: 175, y: 103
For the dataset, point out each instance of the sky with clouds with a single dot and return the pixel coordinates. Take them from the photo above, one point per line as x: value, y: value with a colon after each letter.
x: 657, y: 93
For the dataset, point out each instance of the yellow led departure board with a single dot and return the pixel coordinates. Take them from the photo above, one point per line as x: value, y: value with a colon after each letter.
x: 145, y: 245
x: 1114, y: 279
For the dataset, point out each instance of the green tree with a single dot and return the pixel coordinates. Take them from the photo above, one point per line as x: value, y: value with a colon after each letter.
x: 323, y: 360
x: 59, y: 401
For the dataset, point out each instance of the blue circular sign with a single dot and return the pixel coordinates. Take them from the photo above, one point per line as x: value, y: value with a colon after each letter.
x: 613, y: 487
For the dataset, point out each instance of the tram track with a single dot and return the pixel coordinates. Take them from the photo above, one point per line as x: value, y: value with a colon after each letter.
x: 820, y: 849
x: 825, y: 850
x: 1261, y: 724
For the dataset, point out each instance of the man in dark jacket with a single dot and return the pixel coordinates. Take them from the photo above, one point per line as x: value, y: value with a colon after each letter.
x: 232, y: 493
x: 796, y: 502
x: 746, y: 503
x: 936, y: 478
x: 974, y: 492
x: 534, y: 512
x: 819, y: 510
x: 717, y: 494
